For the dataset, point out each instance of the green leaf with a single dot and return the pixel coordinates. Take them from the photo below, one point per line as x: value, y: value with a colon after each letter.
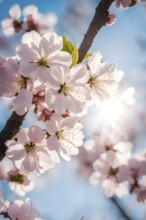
x: 75, y: 55
x: 87, y: 56
x: 73, y: 50
x: 67, y: 45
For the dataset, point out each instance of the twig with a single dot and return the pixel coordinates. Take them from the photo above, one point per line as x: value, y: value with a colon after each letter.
x: 123, y: 213
x: 99, y: 20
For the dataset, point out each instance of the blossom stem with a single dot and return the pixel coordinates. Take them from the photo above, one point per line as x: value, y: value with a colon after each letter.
x: 98, y: 21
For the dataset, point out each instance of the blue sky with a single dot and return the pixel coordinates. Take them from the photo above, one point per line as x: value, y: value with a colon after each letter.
x: 66, y: 194
x: 43, y: 5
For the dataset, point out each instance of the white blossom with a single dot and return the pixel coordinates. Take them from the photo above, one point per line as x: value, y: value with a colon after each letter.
x: 30, y: 151
x: 38, y: 53
x: 65, y: 135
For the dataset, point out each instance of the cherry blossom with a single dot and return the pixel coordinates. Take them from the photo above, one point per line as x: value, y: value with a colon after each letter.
x: 30, y: 151
x: 30, y: 94
x: 65, y: 135
x: 111, y: 19
x: 123, y: 3
x: 22, y: 210
x: 140, y: 190
x: 102, y: 78
x: 10, y: 79
x: 44, y: 114
x: 30, y: 14
x: 13, y: 85
x: 67, y: 89
x: 109, y: 141
x: 12, y: 25
x: 45, y: 75
x: 19, y: 182
x: 129, y: 172
x: 22, y: 102
x: 134, y: 172
x: 39, y: 53
x: 106, y: 170
x: 33, y: 20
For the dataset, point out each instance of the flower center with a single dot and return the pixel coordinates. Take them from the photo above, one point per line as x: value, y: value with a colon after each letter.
x: 29, y: 147
x: 31, y: 25
x: 92, y: 81
x: 22, y: 81
x: 16, y: 24
x: 134, y: 185
x: 63, y: 89
x: 59, y: 134
x: 43, y: 62
x: 19, y: 178
x: 113, y: 171
x: 109, y: 147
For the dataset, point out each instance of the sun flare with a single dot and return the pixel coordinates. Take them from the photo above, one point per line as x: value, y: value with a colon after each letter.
x: 112, y: 110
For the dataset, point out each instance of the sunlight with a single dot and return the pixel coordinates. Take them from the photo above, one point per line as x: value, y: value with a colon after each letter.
x: 112, y: 110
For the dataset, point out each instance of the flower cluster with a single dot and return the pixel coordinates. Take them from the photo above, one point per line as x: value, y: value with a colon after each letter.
x: 19, y: 210
x: 45, y: 76
x: 32, y: 20
x: 107, y: 161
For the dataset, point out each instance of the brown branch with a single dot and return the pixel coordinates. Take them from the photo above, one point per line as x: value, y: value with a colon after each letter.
x: 11, y: 128
x: 99, y: 20
x: 121, y: 210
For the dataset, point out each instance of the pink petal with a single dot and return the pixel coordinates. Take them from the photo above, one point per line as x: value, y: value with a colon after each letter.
x: 22, y: 102
x: 62, y: 58
x: 30, y: 10
x: 26, y: 53
x: 13, y: 211
x: 53, y: 143
x: 36, y: 134
x: 22, y: 136
x: 29, y: 163
x: 26, y: 68
x: 31, y: 38
x: 15, y: 11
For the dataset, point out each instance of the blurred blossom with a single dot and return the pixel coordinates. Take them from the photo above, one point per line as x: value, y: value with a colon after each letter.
x: 111, y: 19
x: 19, y: 182
x: 21, y: 209
x: 12, y: 25
x: 32, y: 20
x: 106, y: 170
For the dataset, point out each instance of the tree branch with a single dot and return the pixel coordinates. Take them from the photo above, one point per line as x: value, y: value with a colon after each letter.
x: 99, y: 20
x: 11, y: 128
x: 123, y: 213
x: 15, y: 121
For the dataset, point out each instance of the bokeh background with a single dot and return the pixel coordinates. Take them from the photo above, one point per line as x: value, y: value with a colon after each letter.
x: 63, y: 193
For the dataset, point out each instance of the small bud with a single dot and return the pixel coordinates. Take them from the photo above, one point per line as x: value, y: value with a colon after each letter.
x: 111, y: 19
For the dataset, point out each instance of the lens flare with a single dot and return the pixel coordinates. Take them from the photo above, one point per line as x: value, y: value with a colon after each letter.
x: 112, y: 110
